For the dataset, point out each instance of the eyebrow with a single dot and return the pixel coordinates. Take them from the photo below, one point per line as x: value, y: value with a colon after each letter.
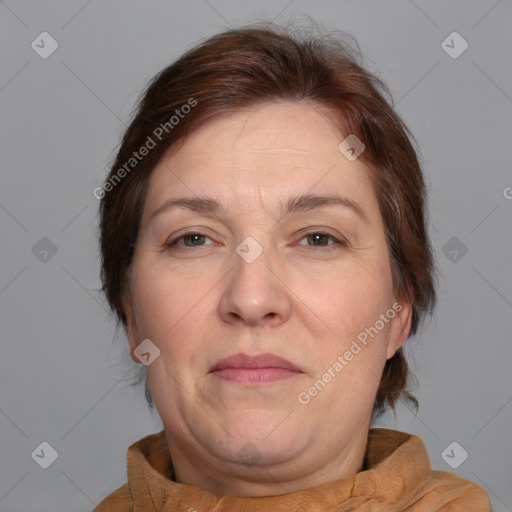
x: 298, y: 204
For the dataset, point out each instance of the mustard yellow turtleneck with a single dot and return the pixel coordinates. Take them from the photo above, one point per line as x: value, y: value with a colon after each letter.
x: 398, y: 479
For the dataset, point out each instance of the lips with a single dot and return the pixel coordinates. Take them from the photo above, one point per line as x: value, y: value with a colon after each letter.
x: 246, y: 369
x: 254, y: 362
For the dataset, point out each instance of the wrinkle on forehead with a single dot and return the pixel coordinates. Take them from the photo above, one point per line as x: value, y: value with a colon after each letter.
x: 262, y: 117
x: 260, y: 154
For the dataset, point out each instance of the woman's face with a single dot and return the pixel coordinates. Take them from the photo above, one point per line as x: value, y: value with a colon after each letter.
x: 274, y: 246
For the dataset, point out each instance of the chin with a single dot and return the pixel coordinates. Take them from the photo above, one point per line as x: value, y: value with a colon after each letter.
x: 257, y: 437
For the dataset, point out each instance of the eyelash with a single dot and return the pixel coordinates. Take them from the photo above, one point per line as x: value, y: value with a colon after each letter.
x: 171, y: 245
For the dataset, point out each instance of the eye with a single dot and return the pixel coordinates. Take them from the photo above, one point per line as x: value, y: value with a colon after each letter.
x: 190, y: 240
x: 320, y: 239
x: 315, y: 239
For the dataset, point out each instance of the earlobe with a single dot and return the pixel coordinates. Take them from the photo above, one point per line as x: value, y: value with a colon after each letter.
x: 400, y: 327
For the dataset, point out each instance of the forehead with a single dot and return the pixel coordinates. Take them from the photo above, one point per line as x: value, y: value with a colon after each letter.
x: 260, y: 154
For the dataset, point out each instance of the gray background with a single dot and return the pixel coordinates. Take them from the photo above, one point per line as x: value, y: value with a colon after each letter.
x: 65, y: 373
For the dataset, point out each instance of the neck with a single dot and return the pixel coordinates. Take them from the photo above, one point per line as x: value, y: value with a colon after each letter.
x: 224, y: 478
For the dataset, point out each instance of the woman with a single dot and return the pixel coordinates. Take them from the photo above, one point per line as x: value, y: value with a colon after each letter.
x: 264, y: 246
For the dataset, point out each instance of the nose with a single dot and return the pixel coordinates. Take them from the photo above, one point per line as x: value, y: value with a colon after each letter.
x: 255, y: 294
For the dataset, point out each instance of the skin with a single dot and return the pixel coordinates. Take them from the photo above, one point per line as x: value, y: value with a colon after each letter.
x: 305, y: 298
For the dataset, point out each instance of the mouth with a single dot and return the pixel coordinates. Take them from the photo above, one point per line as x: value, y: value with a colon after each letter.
x: 254, y: 370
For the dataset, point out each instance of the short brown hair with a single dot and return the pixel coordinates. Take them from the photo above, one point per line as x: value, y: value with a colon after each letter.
x: 242, y: 67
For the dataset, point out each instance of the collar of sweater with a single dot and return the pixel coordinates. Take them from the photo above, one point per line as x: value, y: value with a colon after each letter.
x: 398, y: 478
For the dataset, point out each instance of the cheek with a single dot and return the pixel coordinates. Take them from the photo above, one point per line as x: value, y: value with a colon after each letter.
x: 172, y: 309
x: 168, y: 314
x: 161, y: 297
x: 350, y: 298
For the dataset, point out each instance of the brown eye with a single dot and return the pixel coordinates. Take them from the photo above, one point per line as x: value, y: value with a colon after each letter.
x: 193, y: 240
x: 189, y: 240
x: 320, y: 239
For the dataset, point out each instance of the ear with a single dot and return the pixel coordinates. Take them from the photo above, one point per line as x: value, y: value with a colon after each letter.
x: 132, y: 334
x: 400, y: 326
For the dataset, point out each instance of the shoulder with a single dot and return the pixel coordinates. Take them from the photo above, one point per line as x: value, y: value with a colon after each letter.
x: 119, y: 501
x: 447, y: 492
